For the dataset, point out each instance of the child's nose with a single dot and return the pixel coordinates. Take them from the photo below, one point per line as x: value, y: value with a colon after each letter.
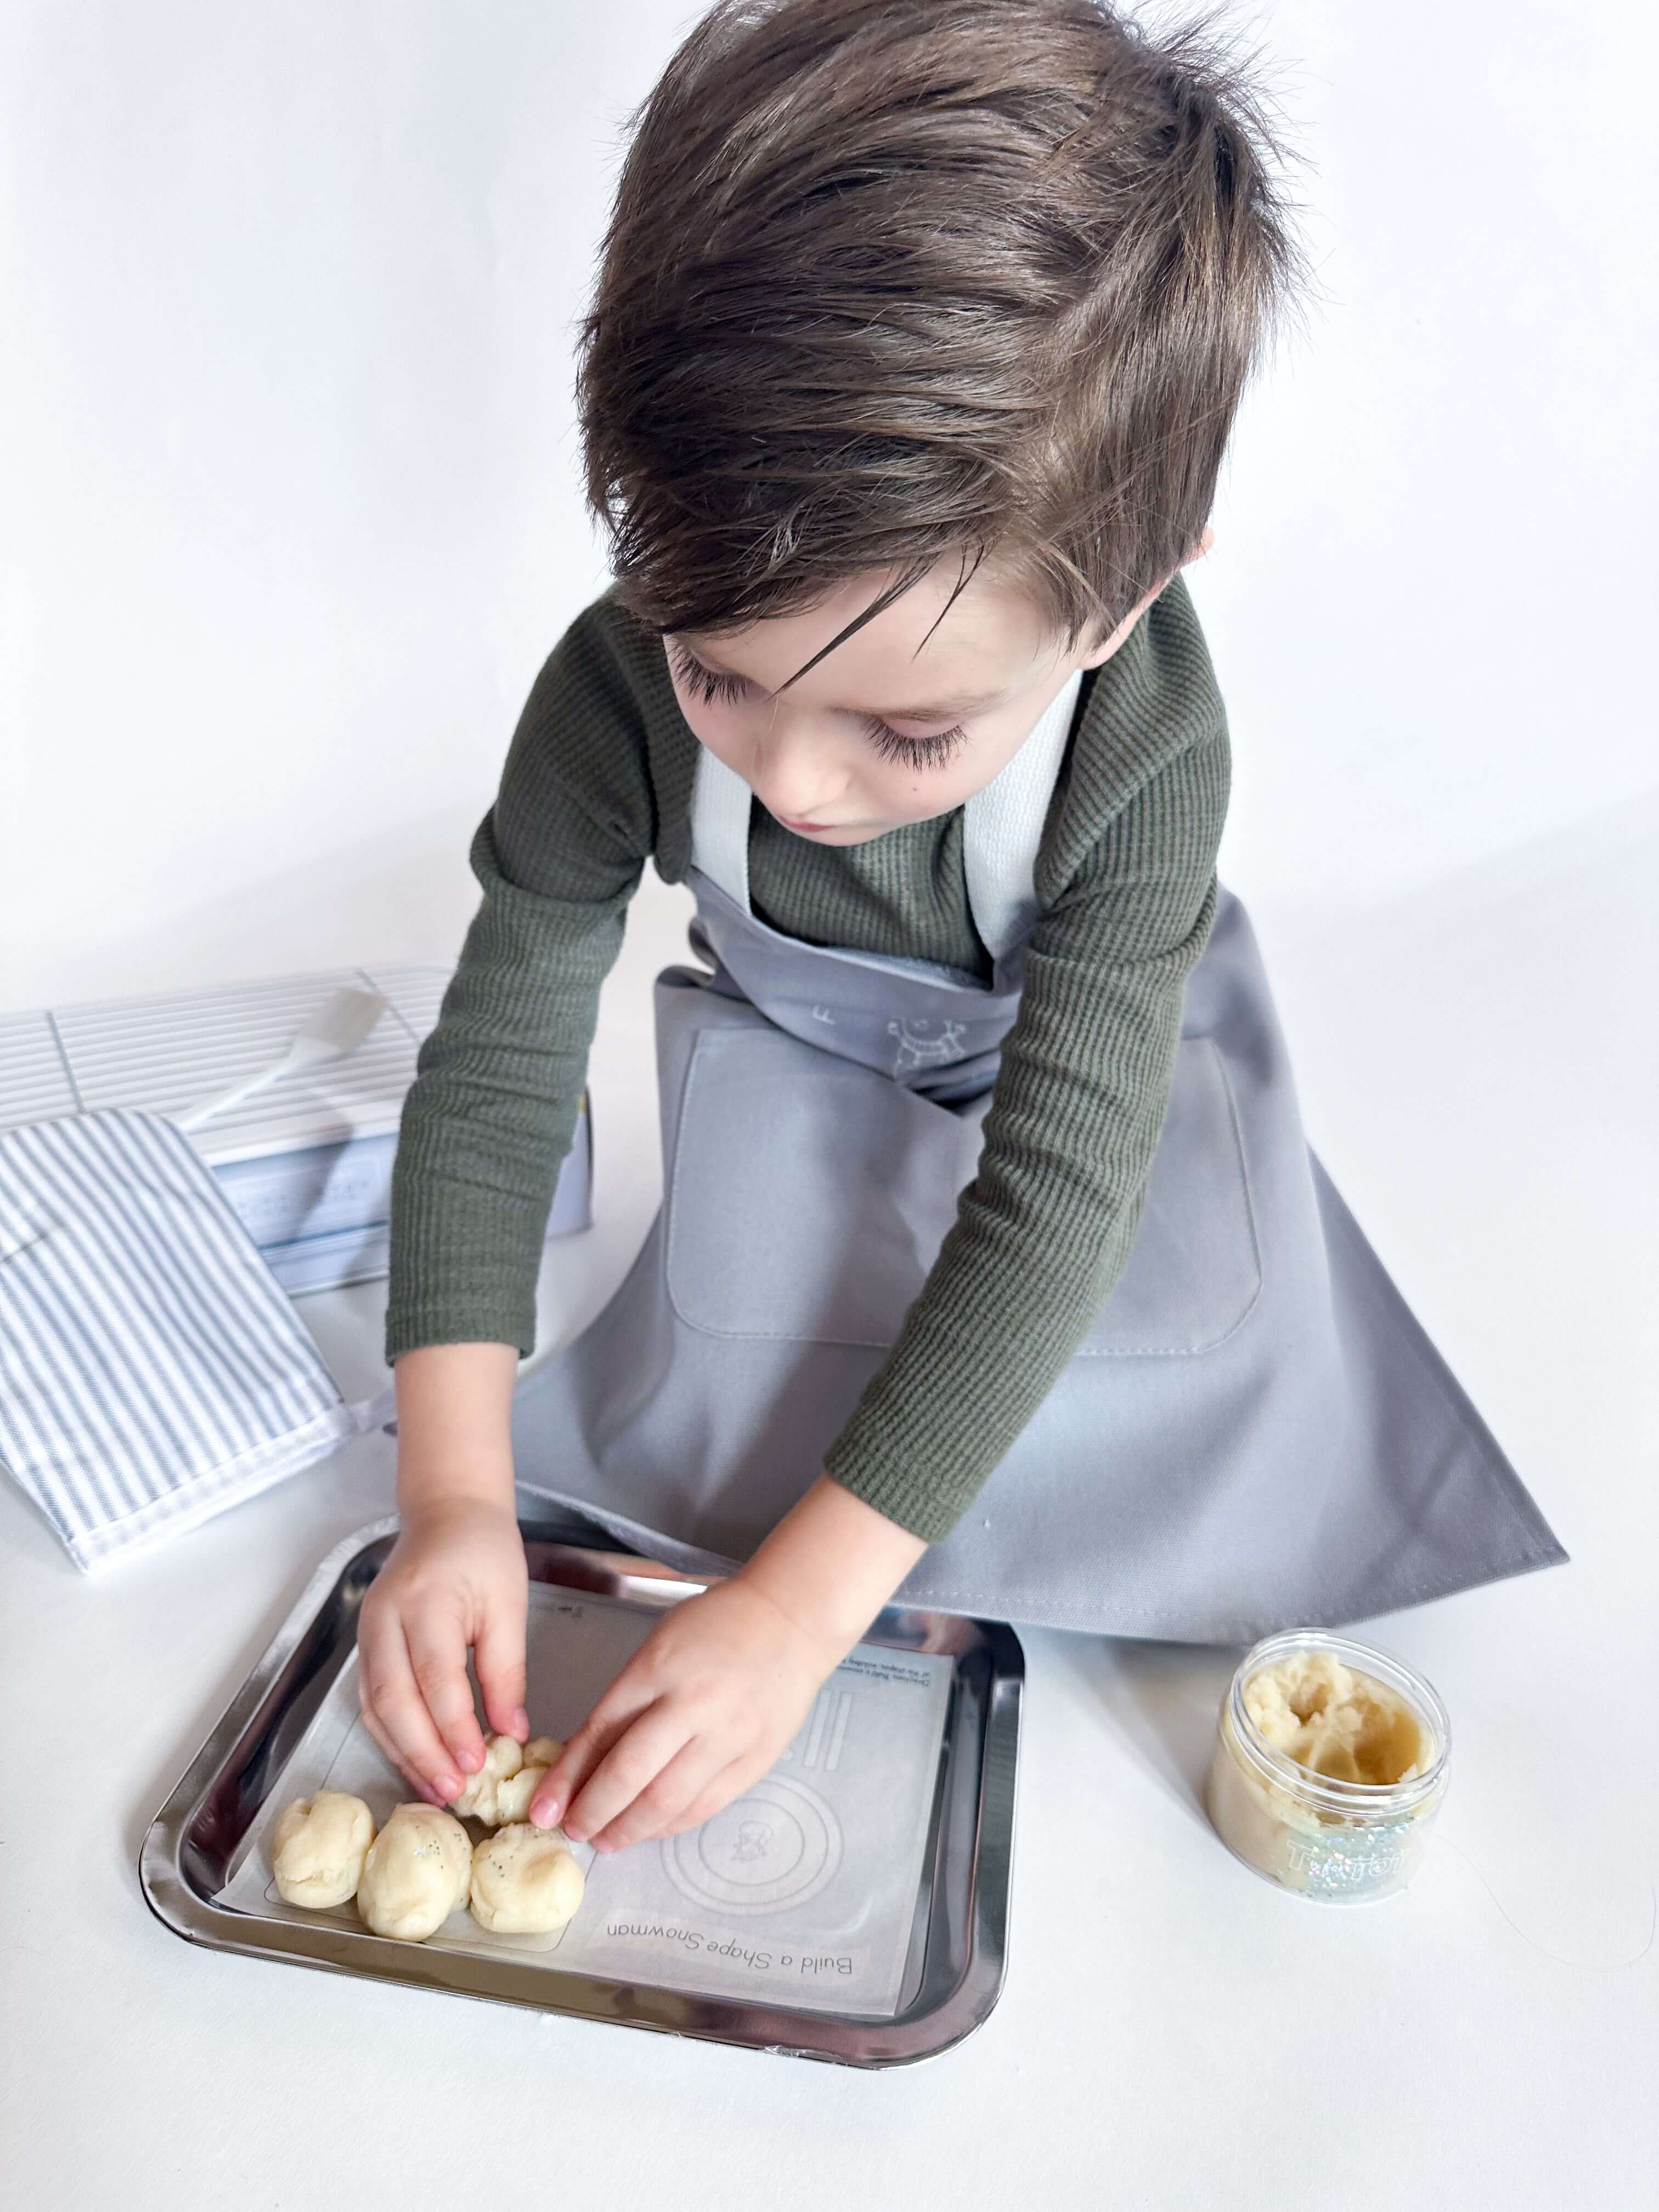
x: 793, y: 779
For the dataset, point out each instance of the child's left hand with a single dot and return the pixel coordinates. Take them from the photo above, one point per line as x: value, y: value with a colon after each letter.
x: 704, y: 1707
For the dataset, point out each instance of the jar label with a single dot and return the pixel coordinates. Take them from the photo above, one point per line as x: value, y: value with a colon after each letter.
x: 1344, y: 1861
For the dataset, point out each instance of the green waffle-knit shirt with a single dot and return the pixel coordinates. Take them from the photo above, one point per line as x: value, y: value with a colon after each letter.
x: 598, y: 780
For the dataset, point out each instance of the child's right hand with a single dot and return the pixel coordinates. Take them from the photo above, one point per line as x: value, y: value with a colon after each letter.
x: 456, y: 1578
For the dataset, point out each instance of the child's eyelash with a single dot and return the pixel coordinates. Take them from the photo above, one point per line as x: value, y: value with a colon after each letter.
x: 710, y: 682
x: 933, y: 751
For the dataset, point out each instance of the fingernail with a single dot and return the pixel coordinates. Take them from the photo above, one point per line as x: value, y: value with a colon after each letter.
x: 471, y: 1760
x: 600, y: 1845
x: 576, y: 1835
x: 449, y: 1785
x: 545, y: 1813
x: 522, y: 1723
x: 430, y: 1794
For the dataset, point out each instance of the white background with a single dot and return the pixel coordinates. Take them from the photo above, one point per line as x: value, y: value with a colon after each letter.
x: 289, y: 520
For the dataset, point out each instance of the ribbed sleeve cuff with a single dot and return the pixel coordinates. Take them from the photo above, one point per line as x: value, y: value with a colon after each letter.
x: 446, y: 1321
x: 463, y: 1266
x: 920, y: 1453
x: 885, y: 1481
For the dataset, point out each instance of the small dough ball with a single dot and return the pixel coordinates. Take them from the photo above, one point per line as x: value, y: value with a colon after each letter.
x: 502, y: 1758
x: 513, y: 1795
x: 525, y: 1881
x: 417, y: 1873
x: 514, y: 1792
x: 318, y: 1849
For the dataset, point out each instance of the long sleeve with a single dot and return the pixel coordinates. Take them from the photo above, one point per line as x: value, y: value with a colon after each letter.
x: 1045, y: 1229
x: 490, y: 1118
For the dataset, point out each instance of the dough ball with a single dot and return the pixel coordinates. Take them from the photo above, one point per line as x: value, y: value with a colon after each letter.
x: 513, y: 1795
x: 502, y: 1758
x: 525, y: 1881
x: 417, y: 1873
x: 513, y: 1792
x: 318, y: 1849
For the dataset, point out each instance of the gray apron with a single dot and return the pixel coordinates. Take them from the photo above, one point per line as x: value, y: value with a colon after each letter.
x: 1253, y: 1433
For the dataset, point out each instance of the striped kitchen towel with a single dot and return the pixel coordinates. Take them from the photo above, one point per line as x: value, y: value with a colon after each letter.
x: 152, y: 1371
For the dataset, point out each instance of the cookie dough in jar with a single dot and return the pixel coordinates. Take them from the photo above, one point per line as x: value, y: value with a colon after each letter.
x: 1329, y: 1766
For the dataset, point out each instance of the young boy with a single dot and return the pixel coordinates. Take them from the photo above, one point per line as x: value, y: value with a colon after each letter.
x: 915, y: 349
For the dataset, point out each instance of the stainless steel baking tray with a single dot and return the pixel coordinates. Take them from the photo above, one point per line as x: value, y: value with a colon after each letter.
x: 959, y: 1941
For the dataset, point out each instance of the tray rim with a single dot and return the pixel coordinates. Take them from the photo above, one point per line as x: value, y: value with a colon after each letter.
x: 845, y: 2039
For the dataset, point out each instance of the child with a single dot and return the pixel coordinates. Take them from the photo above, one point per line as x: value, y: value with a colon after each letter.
x: 916, y: 342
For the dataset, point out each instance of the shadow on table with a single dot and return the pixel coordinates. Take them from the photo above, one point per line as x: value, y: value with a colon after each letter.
x: 1161, y: 1700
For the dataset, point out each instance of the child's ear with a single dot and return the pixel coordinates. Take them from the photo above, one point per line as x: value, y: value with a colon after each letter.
x: 1097, y: 653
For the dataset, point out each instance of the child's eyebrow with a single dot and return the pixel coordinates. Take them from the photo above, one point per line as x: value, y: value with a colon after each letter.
x: 965, y: 703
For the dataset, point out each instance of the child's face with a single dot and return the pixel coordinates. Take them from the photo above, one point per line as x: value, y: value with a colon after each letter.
x: 886, y: 729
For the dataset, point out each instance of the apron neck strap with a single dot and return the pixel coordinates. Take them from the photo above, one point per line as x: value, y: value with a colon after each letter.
x: 1002, y: 828
x: 720, y: 802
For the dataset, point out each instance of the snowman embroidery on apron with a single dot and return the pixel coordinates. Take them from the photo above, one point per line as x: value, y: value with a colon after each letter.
x: 917, y: 1049
x: 1253, y: 1432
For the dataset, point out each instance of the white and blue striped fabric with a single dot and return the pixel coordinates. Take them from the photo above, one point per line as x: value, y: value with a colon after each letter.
x: 152, y: 1371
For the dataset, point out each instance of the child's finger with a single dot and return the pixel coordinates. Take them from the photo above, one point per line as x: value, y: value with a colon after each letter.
x: 617, y: 1710
x: 498, y: 1651
x: 658, y: 1809
x: 423, y: 1791
x: 437, y: 1653
x: 729, y: 1781
x: 633, y: 1762
x: 390, y: 1694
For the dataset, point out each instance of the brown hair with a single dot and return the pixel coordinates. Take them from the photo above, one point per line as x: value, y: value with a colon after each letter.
x: 894, y: 280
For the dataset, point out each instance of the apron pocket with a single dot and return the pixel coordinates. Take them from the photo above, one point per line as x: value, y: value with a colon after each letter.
x: 808, y: 1197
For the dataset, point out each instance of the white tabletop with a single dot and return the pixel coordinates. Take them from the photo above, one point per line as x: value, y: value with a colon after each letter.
x: 1174, y: 2032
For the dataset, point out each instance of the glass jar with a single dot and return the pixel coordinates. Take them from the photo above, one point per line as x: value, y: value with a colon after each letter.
x: 1321, y: 1835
